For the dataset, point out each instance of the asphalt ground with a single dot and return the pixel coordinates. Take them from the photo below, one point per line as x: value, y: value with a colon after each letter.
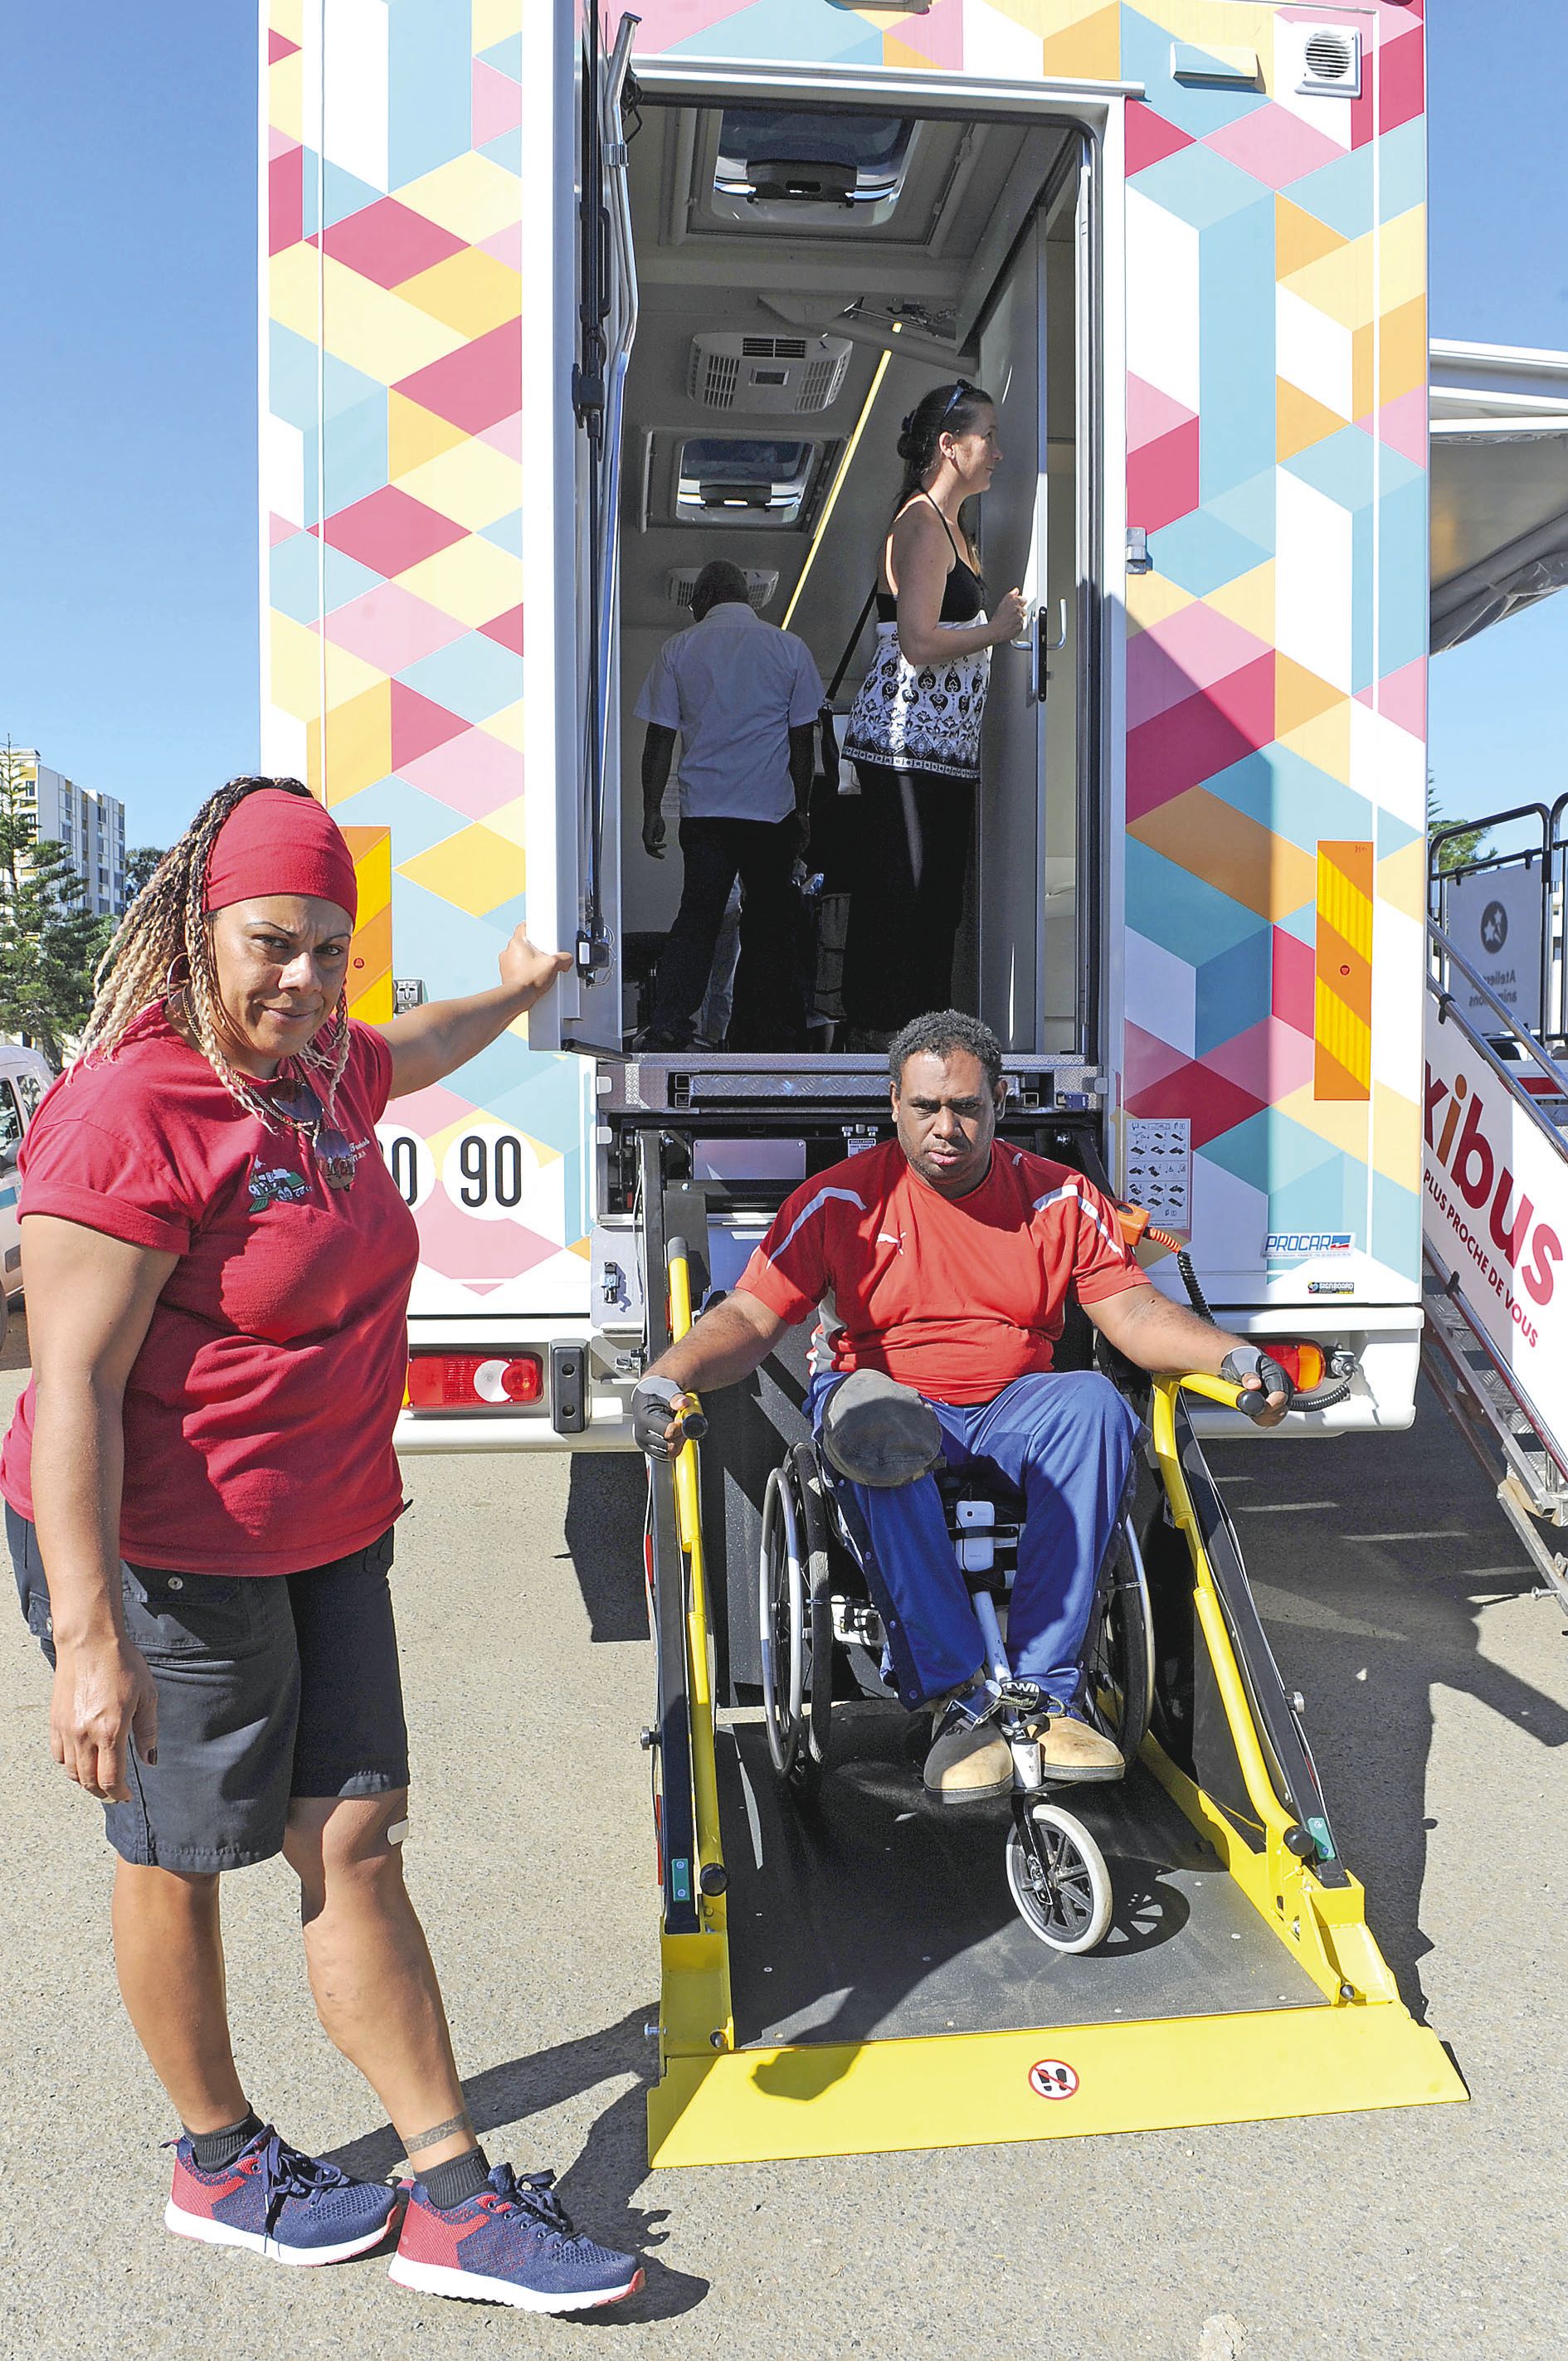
x: 1437, y: 1690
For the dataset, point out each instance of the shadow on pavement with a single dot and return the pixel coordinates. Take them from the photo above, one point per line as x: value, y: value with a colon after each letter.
x: 599, y: 2187
x: 607, y: 1509
x: 1373, y: 1560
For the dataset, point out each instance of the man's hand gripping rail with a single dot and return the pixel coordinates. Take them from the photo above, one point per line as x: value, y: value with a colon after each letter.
x: 1255, y: 1383
x: 664, y: 1417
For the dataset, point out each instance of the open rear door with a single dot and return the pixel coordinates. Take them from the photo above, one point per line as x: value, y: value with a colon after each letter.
x: 1011, y: 825
x: 1026, y: 885
x: 608, y: 318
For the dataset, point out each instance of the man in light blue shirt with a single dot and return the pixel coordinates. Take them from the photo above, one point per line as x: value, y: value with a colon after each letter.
x: 743, y: 697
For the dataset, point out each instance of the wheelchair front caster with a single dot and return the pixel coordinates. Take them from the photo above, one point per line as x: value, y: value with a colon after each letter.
x: 1056, y: 1873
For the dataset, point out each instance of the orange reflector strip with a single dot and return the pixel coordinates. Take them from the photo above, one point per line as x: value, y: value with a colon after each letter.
x: 1341, y: 1018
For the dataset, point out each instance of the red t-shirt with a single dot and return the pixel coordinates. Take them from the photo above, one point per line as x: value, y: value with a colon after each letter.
x: 259, y: 1414
x: 955, y: 1296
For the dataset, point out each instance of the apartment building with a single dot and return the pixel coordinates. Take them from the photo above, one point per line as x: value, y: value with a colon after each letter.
x: 91, y: 826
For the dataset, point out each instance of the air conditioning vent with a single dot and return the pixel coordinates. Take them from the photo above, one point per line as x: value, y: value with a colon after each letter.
x: 1331, y: 58
x: 762, y: 581
x: 1330, y: 61
x: 796, y: 374
x: 713, y: 378
x: 822, y: 381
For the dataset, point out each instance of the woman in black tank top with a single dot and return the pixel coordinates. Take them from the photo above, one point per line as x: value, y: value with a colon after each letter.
x: 963, y: 591
x: 914, y: 734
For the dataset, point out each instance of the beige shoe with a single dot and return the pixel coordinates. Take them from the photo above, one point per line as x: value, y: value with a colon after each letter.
x: 1069, y: 1749
x: 970, y: 1763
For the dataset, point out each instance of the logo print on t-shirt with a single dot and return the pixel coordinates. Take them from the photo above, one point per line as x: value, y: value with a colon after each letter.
x: 277, y: 1186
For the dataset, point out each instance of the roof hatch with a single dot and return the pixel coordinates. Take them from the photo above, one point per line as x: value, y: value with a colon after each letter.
x: 742, y: 479
x: 775, y: 164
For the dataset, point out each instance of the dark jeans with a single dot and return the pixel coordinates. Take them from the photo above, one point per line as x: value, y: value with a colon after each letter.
x: 912, y: 844
x: 766, y: 1015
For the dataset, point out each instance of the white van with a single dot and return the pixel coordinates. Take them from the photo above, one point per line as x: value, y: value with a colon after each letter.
x: 25, y: 1076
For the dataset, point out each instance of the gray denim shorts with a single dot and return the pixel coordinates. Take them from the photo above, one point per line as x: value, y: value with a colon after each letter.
x: 268, y: 1687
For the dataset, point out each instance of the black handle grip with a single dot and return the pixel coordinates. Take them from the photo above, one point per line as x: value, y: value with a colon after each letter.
x: 1254, y: 1403
x: 693, y: 1426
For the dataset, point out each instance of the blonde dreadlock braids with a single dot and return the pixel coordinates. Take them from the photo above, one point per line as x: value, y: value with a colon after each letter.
x: 167, y: 923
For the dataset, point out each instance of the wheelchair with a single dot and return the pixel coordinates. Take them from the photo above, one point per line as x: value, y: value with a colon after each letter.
x: 815, y: 1618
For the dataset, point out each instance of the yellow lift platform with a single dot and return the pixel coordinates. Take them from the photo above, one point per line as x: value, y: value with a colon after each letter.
x: 850, y: 1976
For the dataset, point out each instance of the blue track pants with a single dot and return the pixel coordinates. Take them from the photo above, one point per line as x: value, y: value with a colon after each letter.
x: 1065, y: 1440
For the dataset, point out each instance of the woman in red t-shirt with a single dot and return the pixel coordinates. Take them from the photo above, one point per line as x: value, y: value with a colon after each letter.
x: 201, y: 1489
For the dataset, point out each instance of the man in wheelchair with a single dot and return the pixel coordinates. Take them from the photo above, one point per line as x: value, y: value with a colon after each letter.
x: 942, y: 1261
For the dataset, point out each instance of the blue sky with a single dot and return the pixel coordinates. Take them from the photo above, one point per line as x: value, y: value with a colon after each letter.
x: 127, y: 403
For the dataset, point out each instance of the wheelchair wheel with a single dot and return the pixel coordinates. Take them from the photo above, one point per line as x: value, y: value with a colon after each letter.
x: 781, y: 1620
x: 1059, y: 1883
x: 1118, y: 1661
x: 817, y: 1686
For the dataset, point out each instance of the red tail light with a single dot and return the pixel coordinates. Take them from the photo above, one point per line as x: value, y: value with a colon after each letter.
x: 1304, y: 1365
x: 474, y: 1380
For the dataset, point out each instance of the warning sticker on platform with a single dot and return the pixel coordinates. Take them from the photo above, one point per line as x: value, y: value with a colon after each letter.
x: 1053, y: 2078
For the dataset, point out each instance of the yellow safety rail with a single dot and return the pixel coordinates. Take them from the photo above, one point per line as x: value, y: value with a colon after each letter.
x: 696, y: 2015
x: 1270, y: 1811
x: 699, y: 1662
x: 1325, y: 1927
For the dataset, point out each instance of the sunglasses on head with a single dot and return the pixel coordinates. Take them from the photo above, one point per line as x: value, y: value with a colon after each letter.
x: 962, y: 387
x: 299, y: 1104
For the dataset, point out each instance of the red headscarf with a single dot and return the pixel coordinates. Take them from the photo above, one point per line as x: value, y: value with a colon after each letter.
x: 277, y: 844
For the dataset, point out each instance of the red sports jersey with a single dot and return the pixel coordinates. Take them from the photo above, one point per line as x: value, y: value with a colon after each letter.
x: 955, y: 1296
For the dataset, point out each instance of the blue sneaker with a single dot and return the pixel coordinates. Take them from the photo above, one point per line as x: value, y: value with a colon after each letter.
x: 511, y: 2244
x: 290, y: 2207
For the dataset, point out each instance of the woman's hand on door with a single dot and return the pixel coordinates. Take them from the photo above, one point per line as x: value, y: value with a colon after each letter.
x: 1012, y: 615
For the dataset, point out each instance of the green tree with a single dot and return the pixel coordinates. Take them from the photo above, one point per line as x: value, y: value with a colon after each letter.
x: 139, y: 866
x: 49, y: 942
x: 1458, y: 852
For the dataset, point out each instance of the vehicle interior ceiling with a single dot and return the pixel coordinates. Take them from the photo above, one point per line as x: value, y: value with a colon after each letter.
x: 783, y: 259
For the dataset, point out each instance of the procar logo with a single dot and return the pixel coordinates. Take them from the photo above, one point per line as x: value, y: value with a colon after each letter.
x: 1309, y: 1242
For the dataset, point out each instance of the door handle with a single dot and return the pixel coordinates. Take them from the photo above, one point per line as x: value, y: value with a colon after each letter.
x: 1043, y: 647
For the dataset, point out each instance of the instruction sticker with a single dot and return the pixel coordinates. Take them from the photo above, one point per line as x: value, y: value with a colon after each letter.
x: 1160, y: 1170
x: 1053, y: 2078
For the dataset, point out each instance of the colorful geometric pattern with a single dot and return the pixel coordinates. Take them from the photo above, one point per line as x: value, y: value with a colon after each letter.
x: 392, y: 485
x: 1276, y: 767
x: 1276, y: 420
x: 1275, y: 653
